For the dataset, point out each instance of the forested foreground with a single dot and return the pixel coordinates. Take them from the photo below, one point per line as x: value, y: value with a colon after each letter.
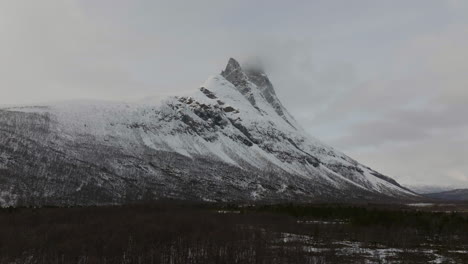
x: 169, y: 232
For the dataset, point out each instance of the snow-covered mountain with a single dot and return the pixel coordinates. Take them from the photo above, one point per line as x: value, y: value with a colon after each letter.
x: 229, y: 140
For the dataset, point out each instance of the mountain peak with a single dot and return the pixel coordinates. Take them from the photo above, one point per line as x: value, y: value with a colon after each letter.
x: 233, y: 64
x: 256, y: 76
x: 234, y: 74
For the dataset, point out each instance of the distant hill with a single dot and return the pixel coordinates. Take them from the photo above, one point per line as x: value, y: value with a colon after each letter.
x: 424, y: 189
x: 453, y: 195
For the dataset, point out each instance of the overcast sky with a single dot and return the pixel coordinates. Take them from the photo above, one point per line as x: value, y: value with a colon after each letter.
x: 384, y: 81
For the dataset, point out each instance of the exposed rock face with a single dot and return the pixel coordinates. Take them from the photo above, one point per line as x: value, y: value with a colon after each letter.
x: 235, y: 75
x: 230, y: 140
x: 260, y: 79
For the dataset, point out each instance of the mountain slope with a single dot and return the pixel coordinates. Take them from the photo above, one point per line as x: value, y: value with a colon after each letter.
x: 229, y: 140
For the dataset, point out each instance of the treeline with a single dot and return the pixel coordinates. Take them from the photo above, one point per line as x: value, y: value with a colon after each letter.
x: 198, y: 233
x: 393, y: 225
x: 151, y: 233
x: 366, y: 215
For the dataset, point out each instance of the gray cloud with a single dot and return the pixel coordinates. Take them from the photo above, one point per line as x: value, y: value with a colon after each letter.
x: 405, y: 126
x: 418, y: 121
x: 440, y: 159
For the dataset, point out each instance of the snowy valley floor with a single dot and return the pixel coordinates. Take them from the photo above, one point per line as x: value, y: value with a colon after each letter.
x: 172, y: 232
